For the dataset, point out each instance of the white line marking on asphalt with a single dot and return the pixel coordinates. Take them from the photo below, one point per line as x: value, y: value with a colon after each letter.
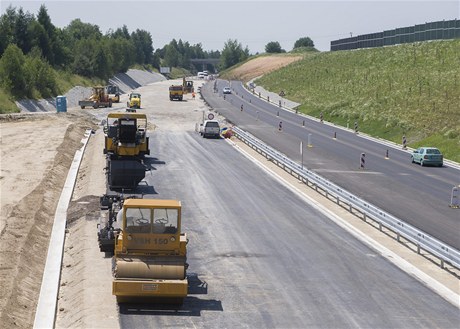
x: 404, y: 265
x: 347, y: 171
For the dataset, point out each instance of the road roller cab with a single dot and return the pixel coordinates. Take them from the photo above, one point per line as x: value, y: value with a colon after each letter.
x: 126, y: 144
x: 150, y: 253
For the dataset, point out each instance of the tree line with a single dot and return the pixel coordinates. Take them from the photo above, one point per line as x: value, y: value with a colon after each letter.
x: 32, y: 50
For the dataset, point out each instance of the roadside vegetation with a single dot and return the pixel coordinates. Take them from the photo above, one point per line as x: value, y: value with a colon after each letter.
x: 40, y: 60
x: 411, y: 89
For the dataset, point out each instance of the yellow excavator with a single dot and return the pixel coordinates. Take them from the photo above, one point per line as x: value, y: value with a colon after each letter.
x: 187, y: 86
x: 126, y: 144
x: 150, y: 259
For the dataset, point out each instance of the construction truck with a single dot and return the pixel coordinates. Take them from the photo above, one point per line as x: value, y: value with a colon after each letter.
x: 134, y: 101
x: 150, y: 260
x: 99, y: 98
x: 176, y: 92
x: 188, y: 86
x: 113, y: 92
x: 126, y: 144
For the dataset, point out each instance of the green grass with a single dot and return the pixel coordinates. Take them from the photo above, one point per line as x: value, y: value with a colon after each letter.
x: 178, y: 72
x: 7, y: 104
x: 411, y: 89
x: 66, y: 81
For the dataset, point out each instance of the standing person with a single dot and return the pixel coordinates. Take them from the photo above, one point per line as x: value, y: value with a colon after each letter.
x: 193, y: 95
x: 280, y: 126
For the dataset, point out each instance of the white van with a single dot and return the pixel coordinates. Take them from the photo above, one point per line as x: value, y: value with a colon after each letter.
x: 210, y: 128
x: 201, y: 75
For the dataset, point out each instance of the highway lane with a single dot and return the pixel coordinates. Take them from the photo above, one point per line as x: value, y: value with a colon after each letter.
x: 418, y: 195
x: 260, y: 257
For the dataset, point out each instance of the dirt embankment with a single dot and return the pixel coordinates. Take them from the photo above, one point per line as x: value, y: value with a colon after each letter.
x: 260, y: 66
x: 36, y: 152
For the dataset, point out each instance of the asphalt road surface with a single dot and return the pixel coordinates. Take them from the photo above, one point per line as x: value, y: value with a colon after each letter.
x: 418, y: 195
x: 261, y: 257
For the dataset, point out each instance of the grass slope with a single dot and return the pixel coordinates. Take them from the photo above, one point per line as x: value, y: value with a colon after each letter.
x: 411, y: 89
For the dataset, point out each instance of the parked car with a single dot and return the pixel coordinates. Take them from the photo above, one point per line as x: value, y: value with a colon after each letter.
x: 427, y: 156
x: 227, y: 90
x: 210, y: 128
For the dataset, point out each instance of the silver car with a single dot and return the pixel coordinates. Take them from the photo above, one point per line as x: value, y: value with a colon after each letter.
x: 427, y: 156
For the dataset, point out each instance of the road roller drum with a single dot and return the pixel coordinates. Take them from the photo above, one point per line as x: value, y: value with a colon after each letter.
x: 150, y: 259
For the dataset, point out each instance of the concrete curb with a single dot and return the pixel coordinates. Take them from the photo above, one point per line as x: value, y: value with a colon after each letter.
x: 45, y: 314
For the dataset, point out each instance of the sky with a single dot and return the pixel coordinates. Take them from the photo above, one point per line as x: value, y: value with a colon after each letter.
x: 252, y: 23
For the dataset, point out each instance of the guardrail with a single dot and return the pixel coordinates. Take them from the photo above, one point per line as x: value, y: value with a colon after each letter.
x: 342, y: 197
x: 284, y: 107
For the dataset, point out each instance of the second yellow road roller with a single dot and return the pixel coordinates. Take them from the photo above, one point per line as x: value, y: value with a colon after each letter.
x: 150, y: 259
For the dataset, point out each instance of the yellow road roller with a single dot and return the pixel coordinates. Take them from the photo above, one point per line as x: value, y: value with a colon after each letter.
x: 150, y: 253
x: 126, y: 145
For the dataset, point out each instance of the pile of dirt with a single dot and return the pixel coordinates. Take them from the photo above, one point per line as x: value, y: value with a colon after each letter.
x: 260, y: 66
x: 36, y: 153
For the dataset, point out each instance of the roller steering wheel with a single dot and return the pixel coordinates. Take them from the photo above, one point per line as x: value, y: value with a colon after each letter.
x: 161, y: 220
x: 142, y: 221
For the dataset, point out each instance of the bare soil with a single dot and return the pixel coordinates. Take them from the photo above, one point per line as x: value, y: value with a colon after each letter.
x: 36, y: 153
x: 260, y: 66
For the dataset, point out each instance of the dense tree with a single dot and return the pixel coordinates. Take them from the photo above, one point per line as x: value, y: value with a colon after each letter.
x: 233, y: 53
x: 41, y: 40
x: 7, y: 22
x: 51, y: 46
x: 120, y: 33
x: 77, y: 30
x: 22, y: 36
x: 39, y: 75
x: 82, y: 57
x: 142, y: 41
x: 171, y: 57
x: 122, y: 54
x: 35, y: 46
x: 101, y: 63
x: 156, y: 60
x: 11, y: 70
x: 304, y: 42
x: 274, y: 47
